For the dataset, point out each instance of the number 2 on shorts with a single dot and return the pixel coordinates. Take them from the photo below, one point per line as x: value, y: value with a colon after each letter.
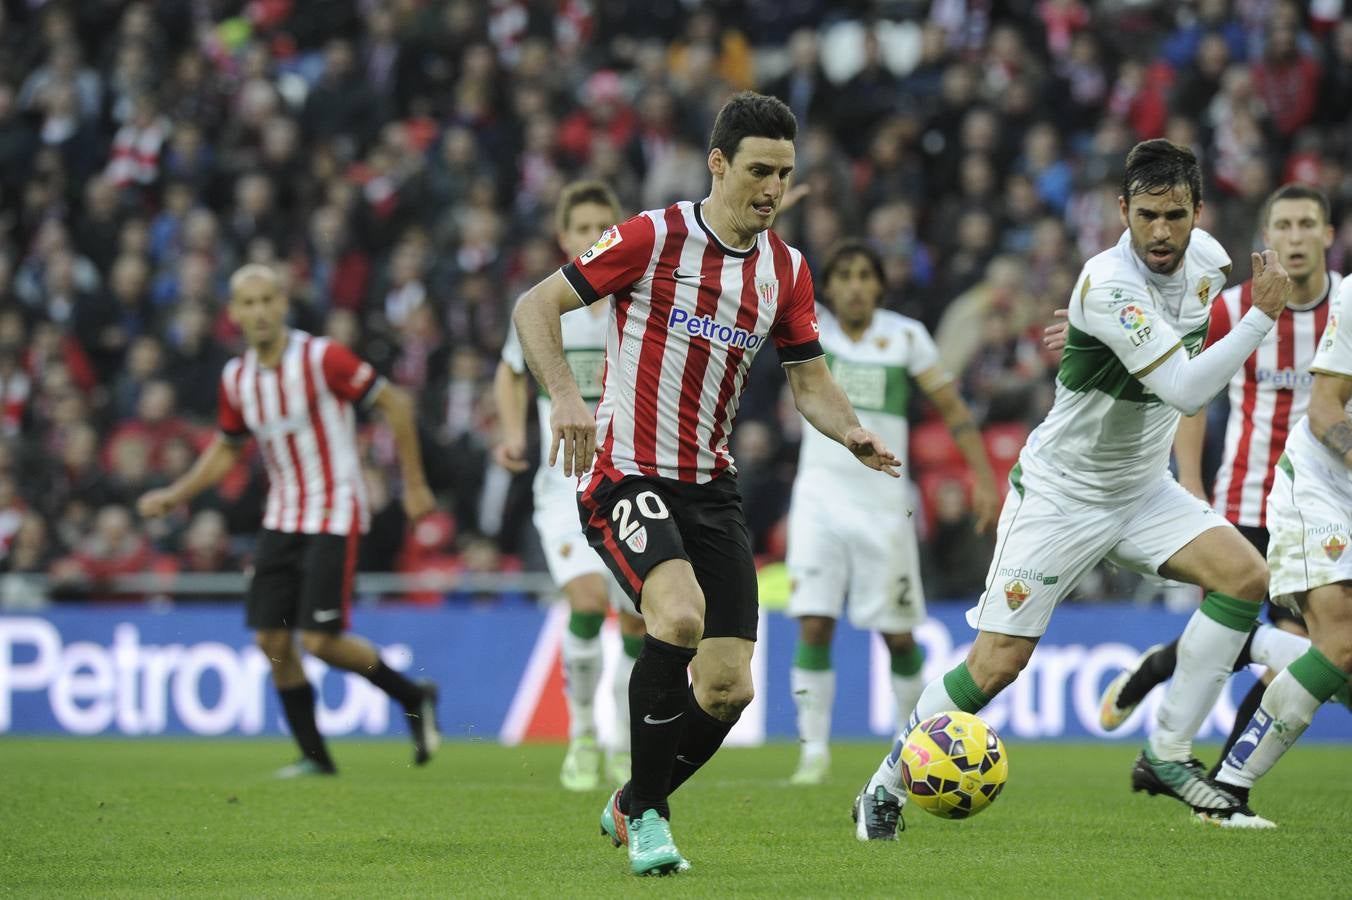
x: 649, y: 505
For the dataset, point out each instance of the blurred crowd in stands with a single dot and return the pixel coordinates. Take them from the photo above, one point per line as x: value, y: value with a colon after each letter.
x: 398, y: 160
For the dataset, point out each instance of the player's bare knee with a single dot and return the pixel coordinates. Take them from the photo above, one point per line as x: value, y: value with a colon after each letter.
x: 587, y: 594
x: 632, y: 626
x: 816, y: 631
x: 1251, y: 581
x: 725, y: 697
x: 899, y: 643
x: 318, y: 643
x: 277, y: 645
x: 682, y: 626
x: 728, y: 705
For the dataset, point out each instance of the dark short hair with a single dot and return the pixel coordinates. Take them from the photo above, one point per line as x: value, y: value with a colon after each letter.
x: 848, y: 248
x: 750, y: 114
x: 1158, y: 166
x: 578, y: 192
x: 1297, y: 191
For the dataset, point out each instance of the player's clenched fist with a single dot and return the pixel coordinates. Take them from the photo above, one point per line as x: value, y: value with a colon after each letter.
x: 511, y: 455
x: 870, y: 450
x: 1271, y: 284
x: 418, y: 501
x: 153, y: 504
x: 573, y: 426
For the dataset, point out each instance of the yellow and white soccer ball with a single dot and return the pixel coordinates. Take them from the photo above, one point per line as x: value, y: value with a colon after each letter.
x: 953, y: 765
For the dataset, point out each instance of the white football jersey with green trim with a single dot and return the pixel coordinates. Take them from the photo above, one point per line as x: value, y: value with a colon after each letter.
x: 1333, y: 357
x: 1107, y: 437
x: 876, y: 373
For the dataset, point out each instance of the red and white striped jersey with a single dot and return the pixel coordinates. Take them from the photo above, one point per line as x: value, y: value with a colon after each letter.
x: 1268, y: 396
x: 301, y: 413
x: 687, y: 317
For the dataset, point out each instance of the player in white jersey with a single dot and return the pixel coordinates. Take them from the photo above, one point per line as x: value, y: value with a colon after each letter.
x: 1310, y: 517
x: 853, y: 536
x: 585, y: 209
x: 1268, y: 396
x: 1093, y: 481
x: 295, y: 394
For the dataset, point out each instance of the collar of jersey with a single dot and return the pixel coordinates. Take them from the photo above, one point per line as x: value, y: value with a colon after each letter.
x: 730, y: 251
x: 1313, y: 304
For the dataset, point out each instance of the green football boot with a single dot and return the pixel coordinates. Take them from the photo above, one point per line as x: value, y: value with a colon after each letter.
x: 651, y: 848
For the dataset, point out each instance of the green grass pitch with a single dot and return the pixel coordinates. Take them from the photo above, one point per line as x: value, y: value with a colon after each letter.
x: 203, y: 818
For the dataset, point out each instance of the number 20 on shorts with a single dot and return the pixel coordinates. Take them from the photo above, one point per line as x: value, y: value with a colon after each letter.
x: 649, y: 505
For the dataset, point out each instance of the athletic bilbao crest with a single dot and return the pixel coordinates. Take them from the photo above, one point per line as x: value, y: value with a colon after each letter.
x: 768, y: 290
x: 1016, y: 592
x: 1334, y: 545
x: 638, y: 541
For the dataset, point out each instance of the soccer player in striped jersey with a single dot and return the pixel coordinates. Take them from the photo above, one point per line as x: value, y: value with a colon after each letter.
x: 585, y: 209
x: 695, y: 290
x: 1268, y: 396
x: 1093, y: 480
x: 296, y: 393
x: 849, y: 534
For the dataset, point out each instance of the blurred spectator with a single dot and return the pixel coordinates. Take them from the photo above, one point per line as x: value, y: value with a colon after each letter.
x: 1335, y: 91
x: 30, y: 549
x: 957, y: 557
x: 13, y: 509
x: 805, y: 87
x: 112, y: 549
x: 195, y: 360
x: 205, y: 545
x: 1287, y: 81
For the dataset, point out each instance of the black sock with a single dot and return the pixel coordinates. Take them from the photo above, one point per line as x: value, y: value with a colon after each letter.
x: 1247, y: 707
x: 657, y: 706
x: 701, y: 739
x: 1156, y: 669
x: 405, y: 693
x: 298, y: 703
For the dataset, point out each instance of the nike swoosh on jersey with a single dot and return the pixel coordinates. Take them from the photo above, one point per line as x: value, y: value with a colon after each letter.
x: 651, y: 721
x: 686, y: 276
x: 327, y: 615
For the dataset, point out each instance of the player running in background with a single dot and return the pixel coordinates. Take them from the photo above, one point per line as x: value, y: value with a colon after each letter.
x: 1093, y: 481
x: 697, y: 289
x: 585, y: 209
x: 295, y: 393
x: 1310, y: 518
x: 849, y: 532
x: 1268, y: 396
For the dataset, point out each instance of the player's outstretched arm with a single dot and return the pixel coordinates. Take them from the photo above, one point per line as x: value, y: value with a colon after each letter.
x: 396, y: 407
x: 1189, y: 384
x: 213, y: 465
x: 510, y: 393
x: 537, y: 325
x: 1328, y: 413
x: 825, y: 406
x: 938, y: 386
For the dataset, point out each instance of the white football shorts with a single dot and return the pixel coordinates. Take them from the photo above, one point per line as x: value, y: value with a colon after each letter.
x: 839, y: 549
x: 1309, y: 516
x: 1047, y: 541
